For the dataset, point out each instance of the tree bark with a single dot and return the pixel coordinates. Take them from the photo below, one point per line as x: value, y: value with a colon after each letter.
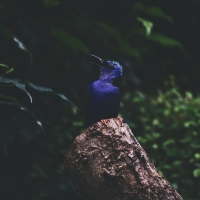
x: 106, y: 162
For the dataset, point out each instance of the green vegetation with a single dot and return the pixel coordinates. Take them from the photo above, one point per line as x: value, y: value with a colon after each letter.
x: 167, y: 127
x: 44, y: 73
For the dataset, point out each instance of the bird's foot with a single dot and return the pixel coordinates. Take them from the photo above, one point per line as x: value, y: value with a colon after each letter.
x: 104, y: 121
x: 120, y: 119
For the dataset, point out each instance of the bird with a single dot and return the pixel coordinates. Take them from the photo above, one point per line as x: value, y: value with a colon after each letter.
x: 103, y: 95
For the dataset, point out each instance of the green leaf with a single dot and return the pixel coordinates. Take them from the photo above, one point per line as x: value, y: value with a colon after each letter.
x: 177, y: 162
x: 159, y: 38
x: 153, y: 11
x: 8, y: 71
x: 3, y: 65
x: 69, y: 40
x: 188, y: 95
x: 147, y: 24
x: 164, y: 40
x: 195, y: 146
x: 196, y: 173
x: 197, y: 155
x: 175, y: 185
x: 168, y: 142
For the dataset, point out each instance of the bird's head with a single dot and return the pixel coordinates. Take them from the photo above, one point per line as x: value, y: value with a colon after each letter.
x: 110, y: 70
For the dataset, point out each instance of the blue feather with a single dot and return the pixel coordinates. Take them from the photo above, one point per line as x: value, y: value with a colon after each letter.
x: 103, y: 95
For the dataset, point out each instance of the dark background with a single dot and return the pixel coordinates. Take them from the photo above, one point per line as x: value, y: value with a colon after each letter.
x: 48, y: 43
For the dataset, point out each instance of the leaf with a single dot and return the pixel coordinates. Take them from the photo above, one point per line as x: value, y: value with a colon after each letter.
x: 39, y: 88
x: 17, y: 84
x: 3, y: 65
x: 63, y: 96
x: 175, y: 185
x: 123, y: 45
x: 13, y: 37
x: 188, y: 95
x: 168, y: 142
x: 22, y: 84
x: 154, y: 11
x: 197, y: 155
x: 45, y: 89
x: 161, y: 39
x: 196, y: 173
x: 20, y: 44
x: 147, y: 24
x: 7, y: 97
x: 69, y: 40
x: 33, y: 115
x: 7, y: 80
x: 8, y: 71
x: 164, y: 40
x: 22, y: 87
x: 10, y: 35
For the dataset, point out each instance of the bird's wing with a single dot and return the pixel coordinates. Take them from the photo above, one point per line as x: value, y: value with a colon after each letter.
x: 117, y: 104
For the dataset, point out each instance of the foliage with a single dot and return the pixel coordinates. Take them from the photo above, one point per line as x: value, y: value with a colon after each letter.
x: 147, y: 24
x: 12, y: 101
x: 167, y: 126
x: 47, y: 43
x: 154, y: 11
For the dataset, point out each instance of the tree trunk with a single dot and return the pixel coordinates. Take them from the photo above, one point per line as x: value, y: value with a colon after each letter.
x: 107, y: 162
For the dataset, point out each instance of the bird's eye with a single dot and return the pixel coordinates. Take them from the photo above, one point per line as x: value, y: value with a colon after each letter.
x: 108, y: 65
x: 111, y: 67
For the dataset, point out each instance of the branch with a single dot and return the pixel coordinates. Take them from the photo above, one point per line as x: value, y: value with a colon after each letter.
x: 107, y: 162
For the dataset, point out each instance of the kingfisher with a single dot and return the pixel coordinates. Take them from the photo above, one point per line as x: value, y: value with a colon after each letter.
x: 103, y: 95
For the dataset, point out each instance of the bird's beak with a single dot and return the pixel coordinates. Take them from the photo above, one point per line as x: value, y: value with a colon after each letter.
x: 95, y: 64
x: 97, y: 58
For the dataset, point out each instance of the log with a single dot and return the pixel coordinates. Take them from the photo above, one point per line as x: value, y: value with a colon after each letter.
x: 107, y: 162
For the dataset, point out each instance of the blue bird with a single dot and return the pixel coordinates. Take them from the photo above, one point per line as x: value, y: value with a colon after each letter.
x: 103, y: 95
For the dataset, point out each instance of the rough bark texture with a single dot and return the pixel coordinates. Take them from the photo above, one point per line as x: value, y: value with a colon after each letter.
x: 107, y: 162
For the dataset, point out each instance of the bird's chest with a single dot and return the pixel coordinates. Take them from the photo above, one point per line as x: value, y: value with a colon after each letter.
x: 106, y: 93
